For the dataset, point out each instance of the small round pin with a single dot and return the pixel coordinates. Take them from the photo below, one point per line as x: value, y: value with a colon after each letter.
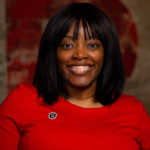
x: 52, y: 115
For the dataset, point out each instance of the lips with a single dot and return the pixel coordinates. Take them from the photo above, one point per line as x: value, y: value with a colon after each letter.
x: 80, y: 70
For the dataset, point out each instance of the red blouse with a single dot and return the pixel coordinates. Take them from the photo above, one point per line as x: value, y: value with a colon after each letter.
x: 29, y: 123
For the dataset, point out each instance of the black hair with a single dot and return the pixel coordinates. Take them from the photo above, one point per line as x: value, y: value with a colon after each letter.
x: 111, y: 79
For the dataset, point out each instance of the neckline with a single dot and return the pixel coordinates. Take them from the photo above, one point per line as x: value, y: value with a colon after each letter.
x: 72, y: 108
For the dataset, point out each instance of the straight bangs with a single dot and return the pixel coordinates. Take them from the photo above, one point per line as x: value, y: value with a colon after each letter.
x: 89, y: 30
x: 93, y: 24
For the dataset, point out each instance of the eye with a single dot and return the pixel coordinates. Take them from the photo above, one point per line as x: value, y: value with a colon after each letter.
x: 67, y: 45
x: 93, y: 45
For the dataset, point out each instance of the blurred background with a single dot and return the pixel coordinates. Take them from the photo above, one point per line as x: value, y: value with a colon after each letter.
x: 22, y: 24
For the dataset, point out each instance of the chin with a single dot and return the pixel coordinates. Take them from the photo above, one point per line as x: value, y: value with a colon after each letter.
x: 80, y: 84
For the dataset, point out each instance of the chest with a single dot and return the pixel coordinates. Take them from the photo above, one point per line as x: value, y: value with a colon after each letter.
x: 79, y: 132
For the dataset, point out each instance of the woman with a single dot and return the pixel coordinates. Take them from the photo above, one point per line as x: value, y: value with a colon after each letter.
x: 76, y: 99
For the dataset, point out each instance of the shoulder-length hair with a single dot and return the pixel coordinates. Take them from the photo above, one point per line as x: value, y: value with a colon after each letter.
x: 111, y: 79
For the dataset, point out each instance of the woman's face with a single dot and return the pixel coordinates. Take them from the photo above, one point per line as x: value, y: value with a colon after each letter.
x: 79, y: 61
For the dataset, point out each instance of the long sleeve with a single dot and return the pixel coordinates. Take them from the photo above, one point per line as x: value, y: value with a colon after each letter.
x: 145, y: 129
x: 11, y: 114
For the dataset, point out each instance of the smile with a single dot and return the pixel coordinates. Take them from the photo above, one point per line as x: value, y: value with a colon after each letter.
x: 80, y: 70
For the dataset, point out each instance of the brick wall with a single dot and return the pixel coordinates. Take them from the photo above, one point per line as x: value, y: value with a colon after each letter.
x: 139, y: 82
x: 3, y: 68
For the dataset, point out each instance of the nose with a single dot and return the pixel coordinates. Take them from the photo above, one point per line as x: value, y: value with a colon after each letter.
x: 80, y: 53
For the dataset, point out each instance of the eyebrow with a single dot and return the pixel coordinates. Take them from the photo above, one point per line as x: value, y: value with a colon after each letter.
x: 70, y: 37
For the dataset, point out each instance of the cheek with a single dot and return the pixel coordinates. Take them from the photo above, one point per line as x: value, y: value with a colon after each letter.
x: 63, y: 57
x: 100, y: 62
x: 60, y: 59
x: 61, y: 67
x: 62, y: 70
x: 99, y: 65
x: 61, y: 64
x: 98, y: 58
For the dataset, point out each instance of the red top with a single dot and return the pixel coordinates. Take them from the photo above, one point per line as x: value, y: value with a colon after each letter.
x: 28, y: 123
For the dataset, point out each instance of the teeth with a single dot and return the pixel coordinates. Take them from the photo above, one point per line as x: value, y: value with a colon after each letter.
x: 80, y: 68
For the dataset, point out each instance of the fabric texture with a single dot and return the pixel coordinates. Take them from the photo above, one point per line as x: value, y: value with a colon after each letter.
x: 29, y: 123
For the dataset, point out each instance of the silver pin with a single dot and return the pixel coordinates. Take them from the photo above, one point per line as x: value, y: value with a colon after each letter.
x: 52, y: 115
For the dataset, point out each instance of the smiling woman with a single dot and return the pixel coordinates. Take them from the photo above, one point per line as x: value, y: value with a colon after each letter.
x: 76, y: 99
x: 75, y: 25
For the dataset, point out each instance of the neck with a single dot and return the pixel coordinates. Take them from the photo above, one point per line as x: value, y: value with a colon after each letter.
x: 81, y: 93
x: 83, y: 96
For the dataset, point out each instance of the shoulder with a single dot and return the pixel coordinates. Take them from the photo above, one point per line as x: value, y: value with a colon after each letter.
x: 20, y: 95
x: 18, y: 103
x: 131, y: 108
x: 128, y: 103
x: 129, y: 100
x: 25, y: 88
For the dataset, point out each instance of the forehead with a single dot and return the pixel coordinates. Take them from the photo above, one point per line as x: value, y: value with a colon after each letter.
x: 79, y: 27
x: 76, y: 28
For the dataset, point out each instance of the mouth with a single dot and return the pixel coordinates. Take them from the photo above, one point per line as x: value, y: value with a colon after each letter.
x: 80, y: 70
